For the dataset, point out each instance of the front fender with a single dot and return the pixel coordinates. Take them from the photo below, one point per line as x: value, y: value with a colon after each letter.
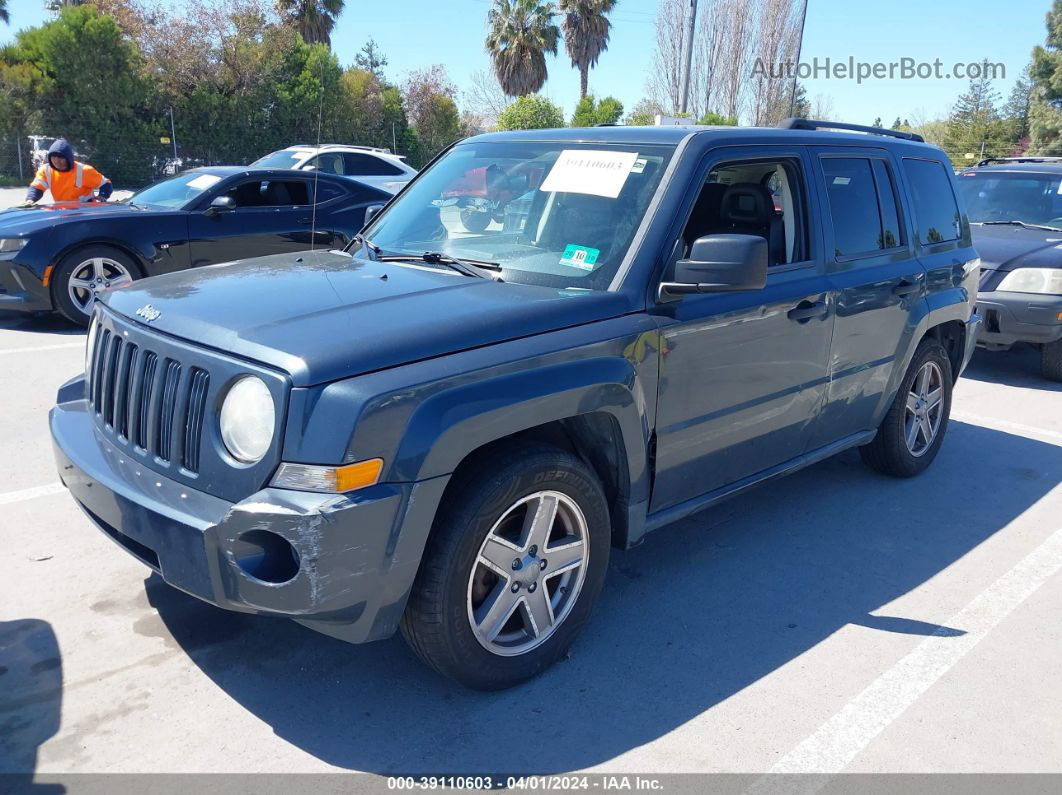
x: 451, y: 424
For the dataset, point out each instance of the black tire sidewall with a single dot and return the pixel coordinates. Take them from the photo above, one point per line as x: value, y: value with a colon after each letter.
x: 930, y: 350
x: 470, y: 525
x: 61, y: 277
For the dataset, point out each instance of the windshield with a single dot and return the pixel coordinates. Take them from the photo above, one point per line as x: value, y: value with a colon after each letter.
x: 1013, y: 196
x: 555, y: 214
x: 177, y: 191
x: 285, y: 158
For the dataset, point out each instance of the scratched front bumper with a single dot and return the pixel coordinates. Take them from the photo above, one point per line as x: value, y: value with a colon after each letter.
x: 348, y: 582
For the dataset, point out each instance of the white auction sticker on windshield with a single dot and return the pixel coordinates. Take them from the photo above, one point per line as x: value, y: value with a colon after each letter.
x: 590, y: 171
x: 204, y: 181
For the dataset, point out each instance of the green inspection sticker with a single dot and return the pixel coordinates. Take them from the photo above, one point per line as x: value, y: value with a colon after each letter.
x: 580, y: 257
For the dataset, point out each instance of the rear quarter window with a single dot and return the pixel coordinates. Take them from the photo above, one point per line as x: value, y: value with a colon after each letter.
x: 936, y: 211
x: 358, y: 165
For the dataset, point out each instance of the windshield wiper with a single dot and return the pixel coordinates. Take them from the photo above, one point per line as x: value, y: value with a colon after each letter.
x: 481, y: 269
x: 1021, y: 223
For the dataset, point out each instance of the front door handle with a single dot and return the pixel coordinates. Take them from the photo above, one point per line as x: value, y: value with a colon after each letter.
x: 906, y: 288
x: 307, y: 220
x: 806, y: 310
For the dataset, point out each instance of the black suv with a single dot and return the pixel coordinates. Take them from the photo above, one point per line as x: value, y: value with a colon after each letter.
x: 549, y: 343
x: 1015, y: 206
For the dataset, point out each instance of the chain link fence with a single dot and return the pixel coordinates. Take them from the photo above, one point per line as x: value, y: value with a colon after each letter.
x: 132, y: 164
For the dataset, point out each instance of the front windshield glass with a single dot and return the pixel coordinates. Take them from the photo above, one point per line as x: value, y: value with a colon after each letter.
x: 177, y: 191
x: 1013, y: 196
x: 285, y: 158
x: 550, y: 213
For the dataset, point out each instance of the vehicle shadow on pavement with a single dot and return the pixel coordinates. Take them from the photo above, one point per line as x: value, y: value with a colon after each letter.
x: 48, y: 323
x: 1020, y: 366
x: 31, y: 693
x: 700, y: 611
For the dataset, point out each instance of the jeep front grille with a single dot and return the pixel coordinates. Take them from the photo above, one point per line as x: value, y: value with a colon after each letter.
x: 153, y: 403
x: 154, y: 399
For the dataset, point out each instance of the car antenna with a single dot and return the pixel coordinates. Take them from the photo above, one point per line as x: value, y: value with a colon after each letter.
x: 317, y: 171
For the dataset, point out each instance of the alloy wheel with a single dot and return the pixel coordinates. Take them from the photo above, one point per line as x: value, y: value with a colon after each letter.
x: 92, y: 277
x: 925, y: 409
x: 528, y: 573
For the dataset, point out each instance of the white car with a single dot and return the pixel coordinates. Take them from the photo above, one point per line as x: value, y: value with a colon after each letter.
x: 376, y: 167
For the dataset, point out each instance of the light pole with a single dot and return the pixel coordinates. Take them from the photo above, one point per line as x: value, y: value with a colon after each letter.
x: 684, y: 101
x: 796, y: 66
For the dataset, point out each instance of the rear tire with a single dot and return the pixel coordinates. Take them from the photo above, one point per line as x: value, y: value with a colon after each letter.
x: 913, y: 429
x: 84, y: 273
x: 483, y: 580
x: 1051, y: 360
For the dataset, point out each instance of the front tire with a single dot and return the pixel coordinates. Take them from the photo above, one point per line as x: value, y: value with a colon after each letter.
x: 1051, y: 360
x: 513, y: 568
x: 85, y: 273
x: 910, y: 436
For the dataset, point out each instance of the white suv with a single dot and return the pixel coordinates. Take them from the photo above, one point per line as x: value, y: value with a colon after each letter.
x: 376, y: 167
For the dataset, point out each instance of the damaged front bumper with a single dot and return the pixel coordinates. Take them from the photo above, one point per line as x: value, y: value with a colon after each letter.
x: 340, y: 564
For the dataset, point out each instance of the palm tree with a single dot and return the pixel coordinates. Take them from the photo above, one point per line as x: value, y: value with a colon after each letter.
x: 586, y: 29
x: 521, y: 33
x: 4, y: 16
x: 314, y: 19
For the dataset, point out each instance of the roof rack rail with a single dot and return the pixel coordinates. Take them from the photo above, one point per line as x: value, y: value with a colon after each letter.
x: 356, y: 146
x: 1030, y: 159
x: 812, y: 124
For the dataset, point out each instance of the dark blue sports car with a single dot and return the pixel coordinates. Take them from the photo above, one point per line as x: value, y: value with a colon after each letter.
x: 61, y: 256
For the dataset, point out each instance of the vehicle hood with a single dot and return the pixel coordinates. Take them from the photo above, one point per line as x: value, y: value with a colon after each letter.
x: 20, y: 221
x: 1003, y: 248
x: 321, y: 316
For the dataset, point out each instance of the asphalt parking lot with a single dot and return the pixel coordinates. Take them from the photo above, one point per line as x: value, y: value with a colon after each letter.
x: 836, y: 620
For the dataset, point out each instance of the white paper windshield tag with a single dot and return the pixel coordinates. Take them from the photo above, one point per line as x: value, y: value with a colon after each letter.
x: 590, y: 171
x: 204, y: 181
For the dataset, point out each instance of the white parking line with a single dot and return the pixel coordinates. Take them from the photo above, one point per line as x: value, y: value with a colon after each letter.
x: 45, y: 347
x: 1005, y: 425
x: 840, y: 739
x: 31, y: 494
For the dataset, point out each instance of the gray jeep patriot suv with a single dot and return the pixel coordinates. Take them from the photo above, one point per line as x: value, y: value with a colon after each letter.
x: 549, y: 343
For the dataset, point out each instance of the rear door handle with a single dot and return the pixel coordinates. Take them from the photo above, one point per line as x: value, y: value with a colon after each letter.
x: 806, y: 311
x: 307, y: 220
x: 906, y: 288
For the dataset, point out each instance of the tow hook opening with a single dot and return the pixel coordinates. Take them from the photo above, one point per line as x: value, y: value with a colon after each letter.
x: 266, y: 556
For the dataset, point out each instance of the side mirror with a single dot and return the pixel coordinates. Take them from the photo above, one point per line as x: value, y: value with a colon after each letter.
x: 722, y: 263
x: 371, y: 212
x: 221, y: 204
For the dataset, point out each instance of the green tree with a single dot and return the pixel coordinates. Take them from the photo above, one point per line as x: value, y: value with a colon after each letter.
x: 314, y: 19
x: 530, y: 112
x: 1019, y: 103
x: 5, y: 16
x: 1045, y: 112
x: 644, y: 113
x: 877, y: 122
x: 975, y: 125
x: 88, y: 84
x: 370, y: 59
x: 586, y: 31
x: 590, y: 112
x: 521, y: 33
x: 714, y: 119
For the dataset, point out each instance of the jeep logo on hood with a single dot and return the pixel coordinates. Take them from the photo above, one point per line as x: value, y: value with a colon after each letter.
x: 148, y: 313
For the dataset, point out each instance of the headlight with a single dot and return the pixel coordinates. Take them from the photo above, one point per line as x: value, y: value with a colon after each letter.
x: 248, y: 419
x: 1045, y: 281
x: 9, y: 245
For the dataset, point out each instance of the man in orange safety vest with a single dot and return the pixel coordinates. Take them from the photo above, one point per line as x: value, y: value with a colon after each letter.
x: 67, y: 179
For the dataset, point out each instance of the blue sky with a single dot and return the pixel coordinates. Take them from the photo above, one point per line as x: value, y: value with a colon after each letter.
x: 418, y: 33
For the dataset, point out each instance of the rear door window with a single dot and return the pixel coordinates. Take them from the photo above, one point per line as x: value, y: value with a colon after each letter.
x: 369, y: 166
x: 936, y: 211
x: 270, y: 193
x: 853, y: 195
